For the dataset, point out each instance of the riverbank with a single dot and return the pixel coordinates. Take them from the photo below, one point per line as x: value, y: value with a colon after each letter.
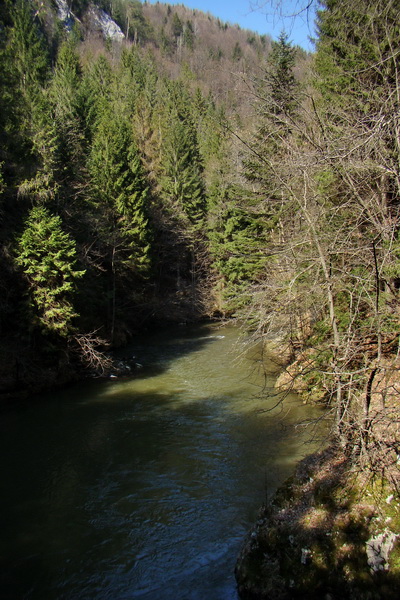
x: 143, y: 485
x: 31, y: 366
x: 331, y: 532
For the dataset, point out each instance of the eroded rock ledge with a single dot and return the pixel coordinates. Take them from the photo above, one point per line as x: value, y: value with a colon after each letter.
x: 317, y: 537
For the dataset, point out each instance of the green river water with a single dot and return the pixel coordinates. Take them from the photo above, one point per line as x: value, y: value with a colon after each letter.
x: 144, y: 487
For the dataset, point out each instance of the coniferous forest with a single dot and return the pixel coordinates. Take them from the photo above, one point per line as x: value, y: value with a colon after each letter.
x: 177, y: 167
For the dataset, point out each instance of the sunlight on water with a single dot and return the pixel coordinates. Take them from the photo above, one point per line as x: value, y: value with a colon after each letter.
x: 145, y: 487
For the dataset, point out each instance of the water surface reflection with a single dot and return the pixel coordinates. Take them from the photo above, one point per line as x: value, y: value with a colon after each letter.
x: 143, y: 487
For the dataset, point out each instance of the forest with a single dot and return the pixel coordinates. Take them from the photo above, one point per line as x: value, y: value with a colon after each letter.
x: 188, y: 168
x: 182, y: 168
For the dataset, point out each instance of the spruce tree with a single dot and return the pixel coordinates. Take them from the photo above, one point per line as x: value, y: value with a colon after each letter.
x: 96, y: 88
x: 27, y: 45
x: 47, y: 256
x: 236, y: 234
x: 277, y: 100
x: 120, y: 190
x: 68, y: 109
x: 24, y: 71
x: 182, y: 167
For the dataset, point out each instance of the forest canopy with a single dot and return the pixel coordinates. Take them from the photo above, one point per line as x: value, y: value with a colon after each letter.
x: 178, y: 167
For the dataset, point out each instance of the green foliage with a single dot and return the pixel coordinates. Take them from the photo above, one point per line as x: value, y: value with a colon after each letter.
x: 182, y: 182
x: 391, y: 270
x: 24, y: 68
x: 66, y: 83
x: 136, y: 76
x: 236, y: 232
x: 188, y: 35
x: 120, y: 190
x: 279, y: 79
x: 177, y: 27
x: 67, y: 102
x: 27, y: 46
x: 2, y: 187
x: 47, y: 257
x: 237, y: 52
x: 165, y: 42
x: 129, y: 15
x: 182, y: 168
x: 133, y: 148
x: 96, y: 91
x: 326, y: 182
x: 277, y: 93
x: 47, y: 151
x: 355, y: 51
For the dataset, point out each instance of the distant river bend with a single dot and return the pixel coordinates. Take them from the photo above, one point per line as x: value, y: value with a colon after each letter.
x: 143, y: 487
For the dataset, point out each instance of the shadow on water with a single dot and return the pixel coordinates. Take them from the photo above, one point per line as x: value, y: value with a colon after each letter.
x: 139, y: 488
x: 311, y: 542
x: 154, y: 352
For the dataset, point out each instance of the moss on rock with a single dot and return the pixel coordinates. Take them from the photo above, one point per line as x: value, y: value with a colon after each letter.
x: 311, y: 541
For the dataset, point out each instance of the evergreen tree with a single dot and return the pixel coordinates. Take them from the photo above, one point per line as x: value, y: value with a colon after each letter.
x: 277, y: 101
x: 146, y: 125
x: 188, y: 35
x: 279, y: 82
x: 268, y: 166
x: 23, y: 72
x: 28, y: 48
x: 96, y: 91
x: 46, y: 151
x: 135, y: 75
x: 120, y: 189
x: 236, y: 241
x: 355, y: 52
x: 47, y: 257
x: 7, y: 85
x: 237, y: 52
x: 177, y: 27
x: 120, y: 196
x: 182, y: 181
x: 68, y: 109
x: 136, y: 25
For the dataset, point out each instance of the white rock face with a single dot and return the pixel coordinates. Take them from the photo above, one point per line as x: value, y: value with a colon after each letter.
x: 102, y: 21
x: 378, y: 550
x: 64, y: 13
x: 98, y: 18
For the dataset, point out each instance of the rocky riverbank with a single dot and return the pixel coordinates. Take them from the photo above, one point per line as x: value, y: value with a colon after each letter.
x: 330, y: 533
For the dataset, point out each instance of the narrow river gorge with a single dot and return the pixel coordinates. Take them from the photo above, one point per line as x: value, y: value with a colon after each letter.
x: 144, y: 487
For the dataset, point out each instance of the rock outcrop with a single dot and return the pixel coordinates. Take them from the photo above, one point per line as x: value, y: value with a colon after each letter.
x: 317, y: 537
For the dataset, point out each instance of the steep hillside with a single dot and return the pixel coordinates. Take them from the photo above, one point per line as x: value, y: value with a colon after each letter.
x: 217, y: 56
x: 121, y: 196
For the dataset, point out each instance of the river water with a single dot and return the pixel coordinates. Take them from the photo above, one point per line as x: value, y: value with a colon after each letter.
x: 144, y: 487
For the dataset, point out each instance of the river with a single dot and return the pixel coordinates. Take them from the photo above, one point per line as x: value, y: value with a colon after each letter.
x: 144, y: 487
